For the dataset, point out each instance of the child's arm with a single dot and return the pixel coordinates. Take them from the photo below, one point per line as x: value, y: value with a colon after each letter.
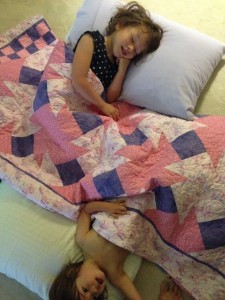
x: 80, y: 67
x: 115, y: 88
x: 83, y: 224
x: 113, y: 208
x: 83, y: 227
x: 121, y: 281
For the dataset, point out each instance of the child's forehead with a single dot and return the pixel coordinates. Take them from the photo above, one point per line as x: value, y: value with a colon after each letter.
x: 140, y: 30
x: 144, y: 29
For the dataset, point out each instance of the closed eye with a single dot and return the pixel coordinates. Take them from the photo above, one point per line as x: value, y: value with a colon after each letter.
x: 133, y: 42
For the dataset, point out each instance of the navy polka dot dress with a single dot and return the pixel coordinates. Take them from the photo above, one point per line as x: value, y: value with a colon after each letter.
x: 101, y: 65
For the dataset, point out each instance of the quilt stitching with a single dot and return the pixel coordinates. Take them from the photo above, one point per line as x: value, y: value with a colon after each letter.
x: 60, y: 156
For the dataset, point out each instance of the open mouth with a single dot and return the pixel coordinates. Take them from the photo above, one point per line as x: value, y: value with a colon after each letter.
x: 99, y: 281
x: 123, y: 51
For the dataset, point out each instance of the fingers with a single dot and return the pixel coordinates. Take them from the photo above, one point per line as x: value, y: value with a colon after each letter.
x: 123, y: 63
x: 176, y: 290
x: 173, y: 287
x: 115, y: 115
x: 119, y: 200
x: 121, y: 206
x: 117, y: 214
x: 121, y: 203
x: 120, y: 212
x: 118, y: 208
x: 110, y: 111
x: 170, y: 291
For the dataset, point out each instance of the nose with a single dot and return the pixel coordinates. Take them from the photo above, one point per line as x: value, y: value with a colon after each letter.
x: 131, y: 49
x: 94, y: 289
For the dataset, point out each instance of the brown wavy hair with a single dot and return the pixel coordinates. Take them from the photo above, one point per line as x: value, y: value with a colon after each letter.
x: 133, y: 14
x: 64, y: 285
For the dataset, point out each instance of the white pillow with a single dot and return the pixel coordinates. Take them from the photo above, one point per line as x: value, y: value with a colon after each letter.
x: 171, y: 79
x: 36, y: 243
x: 85, y: 18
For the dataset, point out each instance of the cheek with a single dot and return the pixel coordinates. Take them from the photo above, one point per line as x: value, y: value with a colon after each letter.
x: 122, y: 38
x: 90, y: 280
x: 130, y: 56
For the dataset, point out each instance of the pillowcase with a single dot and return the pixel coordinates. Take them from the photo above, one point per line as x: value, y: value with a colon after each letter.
x: 84, y: 21
x: 36, y: 243
x: 170, y: 80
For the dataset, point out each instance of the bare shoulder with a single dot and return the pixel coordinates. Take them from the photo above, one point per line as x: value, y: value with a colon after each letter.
x: 82, y: 56
x: 86, y: 40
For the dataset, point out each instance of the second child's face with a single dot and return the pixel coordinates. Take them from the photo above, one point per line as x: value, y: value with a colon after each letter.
x: 127, y: 42
x: 90, y: 282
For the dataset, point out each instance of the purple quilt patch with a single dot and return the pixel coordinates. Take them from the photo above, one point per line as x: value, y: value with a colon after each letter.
x: 61, y: 152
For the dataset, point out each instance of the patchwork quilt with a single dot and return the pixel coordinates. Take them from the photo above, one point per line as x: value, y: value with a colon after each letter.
x: 61, y: 152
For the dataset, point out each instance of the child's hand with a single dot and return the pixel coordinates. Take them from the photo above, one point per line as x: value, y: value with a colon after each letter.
x: 123, y: 64
x: 110, y: 111
x: 117, y: 208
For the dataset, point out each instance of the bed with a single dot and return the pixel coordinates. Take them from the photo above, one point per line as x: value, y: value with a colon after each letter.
x: 166, y: 159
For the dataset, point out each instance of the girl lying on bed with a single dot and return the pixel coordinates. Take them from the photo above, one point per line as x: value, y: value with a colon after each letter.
x: 130, y: 34
x: 86, y: 280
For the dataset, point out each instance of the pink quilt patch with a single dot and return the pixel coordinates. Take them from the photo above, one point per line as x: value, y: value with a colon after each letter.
x: 61, y: 152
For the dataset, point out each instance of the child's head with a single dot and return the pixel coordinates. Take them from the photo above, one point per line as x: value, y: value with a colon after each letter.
x: 133, y: 15
x: 74, y: 283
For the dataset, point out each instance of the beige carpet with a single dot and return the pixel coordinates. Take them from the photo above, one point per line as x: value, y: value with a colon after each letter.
x: 59, y: 14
